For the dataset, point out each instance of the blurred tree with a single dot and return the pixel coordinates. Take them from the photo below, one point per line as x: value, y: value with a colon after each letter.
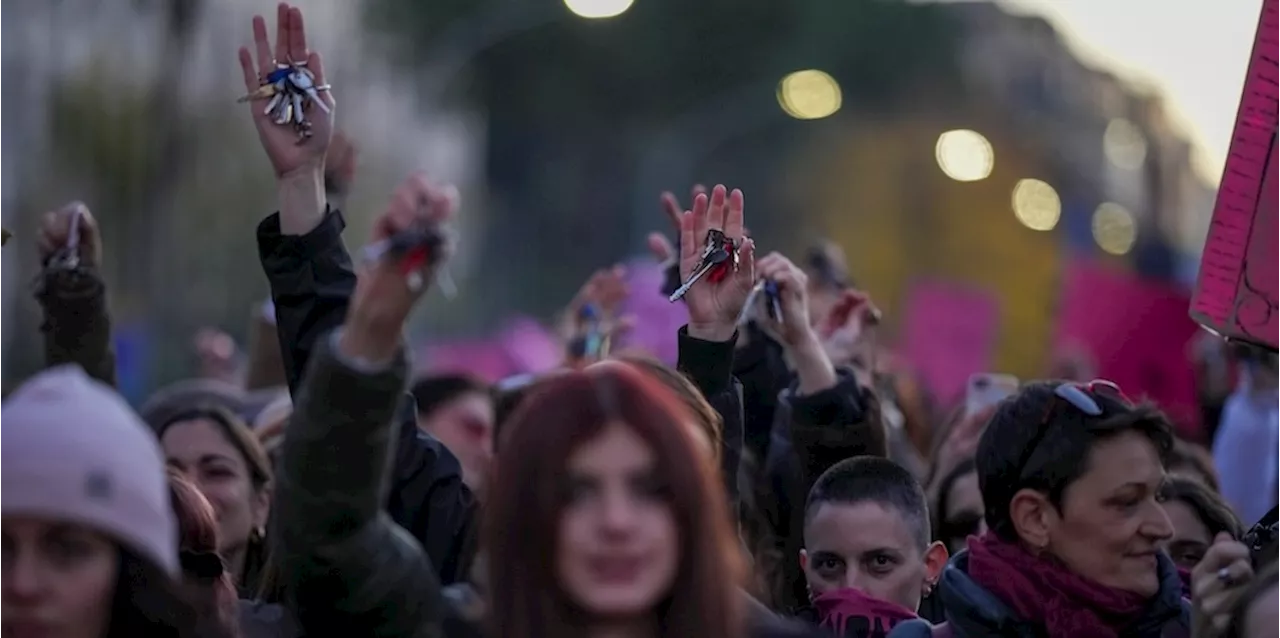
x: 572, y: 102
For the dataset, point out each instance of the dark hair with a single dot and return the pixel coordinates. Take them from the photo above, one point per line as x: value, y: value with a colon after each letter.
x: 161, y: 408
x: 939, y: 510
x: 1190, y: 454
x: 824, y: 263
x: 434, y: 391
x: 1264, y: 580
x: 207, y: 583
x: 148, y: 602
x: 873, y: 479
x: 1056, y: 452
x: 710, y: 421
x: 522, y: 517
x: 260, y: 476
x: 1207, y: 505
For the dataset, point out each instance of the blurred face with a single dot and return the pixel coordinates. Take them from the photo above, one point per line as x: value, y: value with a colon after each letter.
x: 200, y: 451
x: 465, y: 426
x: 871, y: 548
x: 618, y: 551
x: 59, y: 579
x: 1190, y: 537
x: 1112, y: 525
x: 1261, y: 619
x: 963, y: 517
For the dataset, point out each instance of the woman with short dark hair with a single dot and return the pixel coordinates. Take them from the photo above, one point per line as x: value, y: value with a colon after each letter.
x: 1071, y: 477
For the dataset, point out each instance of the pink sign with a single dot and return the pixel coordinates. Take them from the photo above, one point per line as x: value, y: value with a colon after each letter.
x: 949, y: 334
x: 1138, y: 332
x: 656, y: 319
x: 1236, y: 291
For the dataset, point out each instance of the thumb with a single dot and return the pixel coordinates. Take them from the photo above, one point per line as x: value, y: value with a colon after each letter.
x: 1223, y: 537
x: 660, y: 247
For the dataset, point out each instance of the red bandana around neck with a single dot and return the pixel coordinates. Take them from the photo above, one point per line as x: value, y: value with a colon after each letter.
x: 852, y: 614
x: 1042, y: 591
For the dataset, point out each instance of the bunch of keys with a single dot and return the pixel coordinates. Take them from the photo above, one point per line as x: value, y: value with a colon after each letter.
x: 289, y: 89
x: 68, y: 257
x: 593, y: 343
x: 719, y: 258
x: 416, y: 248
x: 772, y: 299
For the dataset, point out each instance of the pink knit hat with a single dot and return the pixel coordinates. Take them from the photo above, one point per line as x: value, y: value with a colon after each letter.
x: 73, y: 450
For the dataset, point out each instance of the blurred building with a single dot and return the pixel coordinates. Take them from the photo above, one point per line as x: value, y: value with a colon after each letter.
x: 1123, y: 169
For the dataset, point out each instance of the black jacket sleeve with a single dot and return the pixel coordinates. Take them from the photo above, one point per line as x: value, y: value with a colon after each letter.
x: 312, y: 280
x: 348, y: 568
x: 710, y: 365
x: 760, y: 367
x: 77, y: 325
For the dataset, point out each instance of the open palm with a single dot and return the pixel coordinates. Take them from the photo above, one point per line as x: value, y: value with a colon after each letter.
x: 716, y: 305
x: 286, y: 151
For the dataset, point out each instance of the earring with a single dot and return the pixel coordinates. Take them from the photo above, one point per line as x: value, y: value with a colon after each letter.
x: 259, y: 533
x: 928, y: 588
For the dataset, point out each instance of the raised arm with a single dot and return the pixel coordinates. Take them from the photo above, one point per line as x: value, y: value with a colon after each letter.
x: 350, y: 569
x: 73, y: 295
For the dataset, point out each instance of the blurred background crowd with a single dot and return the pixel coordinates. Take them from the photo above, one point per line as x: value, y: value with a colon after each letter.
x: 1010, y: 205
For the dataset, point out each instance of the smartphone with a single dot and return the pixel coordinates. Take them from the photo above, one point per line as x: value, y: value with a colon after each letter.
x: 986, y: 389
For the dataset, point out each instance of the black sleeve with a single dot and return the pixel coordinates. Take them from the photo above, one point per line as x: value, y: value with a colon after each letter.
x: 762, y: 370
x: 710, y: 365
x: 77, y: 325
x: 312, y: 280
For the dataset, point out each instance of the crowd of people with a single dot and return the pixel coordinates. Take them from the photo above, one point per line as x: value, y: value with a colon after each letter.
x: 782, y: 479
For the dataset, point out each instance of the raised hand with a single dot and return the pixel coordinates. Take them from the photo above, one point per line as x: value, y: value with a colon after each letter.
x: 604, y: 292
x: 288, y: 153
x: 714, y: 306
x: 385, y: 293
x: 659, y: 246
x: 1218, y: 578
x: 793, y: 296
x: 55, y: 232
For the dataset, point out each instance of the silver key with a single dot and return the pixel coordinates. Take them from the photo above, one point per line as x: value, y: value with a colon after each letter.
x: 302, y: 81
x: 273, y: 104
x: 297, y: 108
x: 715, y: 258
x: 285, y: 113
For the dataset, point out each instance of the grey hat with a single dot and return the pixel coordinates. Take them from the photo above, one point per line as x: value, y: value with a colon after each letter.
x: 74, y: 451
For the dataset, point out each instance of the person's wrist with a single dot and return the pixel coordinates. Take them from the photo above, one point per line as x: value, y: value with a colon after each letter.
x: 806, y: 345
x: 369, y: 340
x: 301, y: 199
x: 712, y: 331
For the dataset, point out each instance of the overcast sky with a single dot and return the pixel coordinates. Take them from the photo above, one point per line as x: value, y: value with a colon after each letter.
x: 1193, y: 51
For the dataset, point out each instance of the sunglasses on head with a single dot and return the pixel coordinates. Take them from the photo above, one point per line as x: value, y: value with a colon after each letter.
x: 1080, y: 396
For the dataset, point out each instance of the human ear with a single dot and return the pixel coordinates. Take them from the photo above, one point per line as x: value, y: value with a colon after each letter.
x: 1031, y: 514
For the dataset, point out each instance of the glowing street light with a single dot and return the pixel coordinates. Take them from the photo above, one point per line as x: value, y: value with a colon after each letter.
x: 595, y: 9
x: 1036, y: 204
x: 1124, y: 144
x: 964, y: 155
x: 809, y: 95
x: 1114, y: 228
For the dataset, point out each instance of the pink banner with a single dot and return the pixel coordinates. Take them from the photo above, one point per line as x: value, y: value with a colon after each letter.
x: 949, y: 335
x: 1138, y: 331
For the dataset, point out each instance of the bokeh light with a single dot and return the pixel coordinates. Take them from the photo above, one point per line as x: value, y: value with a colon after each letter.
x: 598, y: 8
x: 1114, y: 228
x: 1124, y: 144
x: 1036, y: 204
x: 965, y: 156
x: 809, y: 95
